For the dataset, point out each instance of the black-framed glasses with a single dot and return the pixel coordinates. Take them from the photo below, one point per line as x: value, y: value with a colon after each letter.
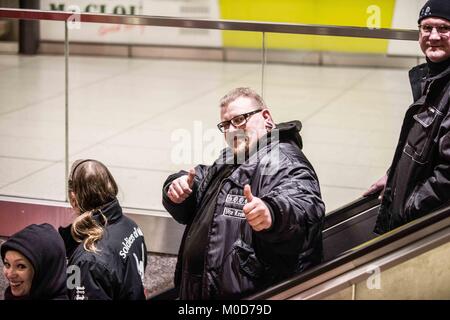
x: 443, y: 30
x: 237, y: 121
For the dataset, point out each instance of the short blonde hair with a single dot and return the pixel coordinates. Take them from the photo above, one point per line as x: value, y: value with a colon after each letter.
x: 242, y: 92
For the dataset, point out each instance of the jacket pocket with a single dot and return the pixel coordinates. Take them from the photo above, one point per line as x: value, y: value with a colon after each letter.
x: 420, y: 138
x: 248, y: 262
x: 241, y: 272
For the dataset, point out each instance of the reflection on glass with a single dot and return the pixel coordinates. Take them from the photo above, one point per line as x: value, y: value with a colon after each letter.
x: 154, y: 113
x: 32, y: 125
x: 342, y: 94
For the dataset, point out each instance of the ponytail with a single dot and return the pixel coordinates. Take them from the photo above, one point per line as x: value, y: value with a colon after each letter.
x: 88, y: 230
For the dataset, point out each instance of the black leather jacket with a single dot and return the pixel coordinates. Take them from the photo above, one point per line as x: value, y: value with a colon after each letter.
x: 116, y: 271
x: 238, y: 260
x: 419, y: 177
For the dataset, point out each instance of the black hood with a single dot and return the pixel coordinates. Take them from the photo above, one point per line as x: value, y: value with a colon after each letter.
x: 44, y: 248
x: 291, y: 131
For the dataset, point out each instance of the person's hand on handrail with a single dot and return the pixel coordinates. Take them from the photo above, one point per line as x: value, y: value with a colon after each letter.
x: 378, y: 186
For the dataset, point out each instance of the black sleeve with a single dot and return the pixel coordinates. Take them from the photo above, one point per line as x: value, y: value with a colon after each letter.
x: 96, y: 283
x: 183, y: 212
x: 297, y: 209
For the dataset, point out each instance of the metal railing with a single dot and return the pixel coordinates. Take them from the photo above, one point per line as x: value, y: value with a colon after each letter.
x: 159, y: 21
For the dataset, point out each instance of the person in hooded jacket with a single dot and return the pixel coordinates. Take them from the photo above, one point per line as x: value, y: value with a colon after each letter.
x: 35, y: 264
x: 106, y: 248
x: 255, y: 216
x: 418, y: 180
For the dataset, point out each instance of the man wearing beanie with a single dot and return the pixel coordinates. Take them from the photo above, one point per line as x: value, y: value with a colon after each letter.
x: 418, y: 180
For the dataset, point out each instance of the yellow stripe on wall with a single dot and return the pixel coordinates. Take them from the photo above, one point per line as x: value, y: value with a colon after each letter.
x: 326, y: 12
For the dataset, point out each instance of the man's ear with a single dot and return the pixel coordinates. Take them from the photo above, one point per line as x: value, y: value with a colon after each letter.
x: 268, y: 119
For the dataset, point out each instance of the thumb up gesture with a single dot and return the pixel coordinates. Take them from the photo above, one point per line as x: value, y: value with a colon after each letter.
x: 256, y: 211
x: 181, y: 188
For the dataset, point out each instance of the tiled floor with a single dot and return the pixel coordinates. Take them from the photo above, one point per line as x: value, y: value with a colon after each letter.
x: 131, y: 113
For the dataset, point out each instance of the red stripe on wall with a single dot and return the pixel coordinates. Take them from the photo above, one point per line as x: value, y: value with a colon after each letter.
x: 15, y: 216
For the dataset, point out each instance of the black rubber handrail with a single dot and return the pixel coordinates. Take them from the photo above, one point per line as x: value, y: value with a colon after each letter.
x: 351, y: 209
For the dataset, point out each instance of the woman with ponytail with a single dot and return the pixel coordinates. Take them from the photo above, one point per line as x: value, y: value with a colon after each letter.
x: 106, y: 250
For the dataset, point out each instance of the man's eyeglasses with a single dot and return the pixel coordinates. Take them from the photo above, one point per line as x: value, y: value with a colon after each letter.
x: 237, y: 121
x: 443, y: 30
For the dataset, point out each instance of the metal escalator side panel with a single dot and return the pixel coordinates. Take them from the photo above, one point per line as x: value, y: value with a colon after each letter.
x: 361, y: 273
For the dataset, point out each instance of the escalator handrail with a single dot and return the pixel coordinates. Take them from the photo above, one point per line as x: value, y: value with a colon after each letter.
x: 351, y: 209
x: 353, y: 254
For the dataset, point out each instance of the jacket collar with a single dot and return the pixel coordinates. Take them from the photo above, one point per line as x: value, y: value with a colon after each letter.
x: 436, y: 68
x: 418, y: 77
x: 443, y: 74
x: 112, y: 211
x: 421, y: 71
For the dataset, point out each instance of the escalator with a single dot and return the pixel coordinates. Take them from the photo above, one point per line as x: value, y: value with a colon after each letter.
x: 344, y: 228
x: 349, y: 226
x: 352, y: 252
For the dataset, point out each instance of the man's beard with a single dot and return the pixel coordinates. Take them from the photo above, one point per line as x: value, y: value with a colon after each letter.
x: 239, y: 143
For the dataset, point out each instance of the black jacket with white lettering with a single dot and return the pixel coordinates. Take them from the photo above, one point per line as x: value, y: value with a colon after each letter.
x: 116, y: 271
x: 238, y: 260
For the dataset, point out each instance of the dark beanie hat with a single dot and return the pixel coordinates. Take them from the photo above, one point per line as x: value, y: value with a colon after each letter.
x: 435, y: 9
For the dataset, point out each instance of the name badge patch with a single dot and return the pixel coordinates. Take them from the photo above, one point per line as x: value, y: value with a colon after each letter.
x: 233, y: 206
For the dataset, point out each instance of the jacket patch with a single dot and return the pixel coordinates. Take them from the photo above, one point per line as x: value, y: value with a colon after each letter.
x: 233, y: 206
x: 236, y: 199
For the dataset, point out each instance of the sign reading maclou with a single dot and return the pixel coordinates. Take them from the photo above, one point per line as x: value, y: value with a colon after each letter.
x: 101, y: 8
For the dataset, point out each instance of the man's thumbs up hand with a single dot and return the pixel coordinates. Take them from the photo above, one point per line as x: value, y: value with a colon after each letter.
x: 190, y: 178
x: 181, y: 188
x: 248, y: 193
x: 256, y: 211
